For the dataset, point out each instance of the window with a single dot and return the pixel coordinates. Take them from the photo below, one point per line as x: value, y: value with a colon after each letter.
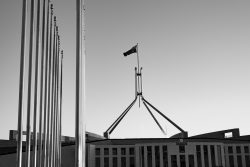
x: 97, y: 162
x: 157, y: 156
x: 165, y: 156
x: 219, y: 154
x: 132, y: 162
x: 212, y: 152
x: 198, y: 153
x: 182, y: 149
x: 182, y: 161
x: 230, y: 149
x: 228, y: 135
x: 231, y: 161
x: 149, y: 153
x: 239, y: 160
x: 123, y: 150
x: 115, y: 164
x: 191, y: 160
x: 142, y: 156
x: 247, y: 159
x: 173, y: 161
x: 246, y: 149
x: 123, y: 162
x: 106, y: 151
x: 205, y: 150
x: 106, y: 162
x: 238, y: 149
x: 114, y: 151
x: 131, y: 151
x: 97, y: 151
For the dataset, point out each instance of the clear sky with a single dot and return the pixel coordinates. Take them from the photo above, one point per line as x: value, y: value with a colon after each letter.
x: 195, y: 57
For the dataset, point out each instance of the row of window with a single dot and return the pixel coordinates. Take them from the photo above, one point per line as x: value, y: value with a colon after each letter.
x: 238, y: 149
x: 239, y: 160
x: 123, y: 161
x: 106, y: 151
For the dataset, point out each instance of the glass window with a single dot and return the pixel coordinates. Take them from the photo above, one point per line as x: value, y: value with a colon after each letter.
x: 231, y: 161
x: 191, y: 160
x: 115, y: 164
x: 114, y: 151
x: 149, y: 153
x: 246, y: 149
x: 205, y: 150
x: 238, y: 150
x: 106, y: 162
x: 173, y: 161
x: 247, y: 159
x: 182, y: 149
x: 212, y: 152
x: 123, y: 162
x: 182, y: 161
x: 219, y: 152
x: 123, y: 150
x: 165, y: 156
x: 142, y: 156
x: 157, y: 156
x: 106, y: 151
x: 97, y: 162
x: 132, y: 162
x: 239, y: 160
x: 97, y: 151
x: 198, y: 154
x: 131, y: 151
x: 230, y: 149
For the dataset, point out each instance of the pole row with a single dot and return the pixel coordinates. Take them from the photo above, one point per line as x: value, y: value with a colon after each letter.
x: 43, y: 98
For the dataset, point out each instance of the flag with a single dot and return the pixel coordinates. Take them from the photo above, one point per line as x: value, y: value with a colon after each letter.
x: 132, y: 50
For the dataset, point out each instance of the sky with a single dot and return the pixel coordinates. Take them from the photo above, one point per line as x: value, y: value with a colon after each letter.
x: 195, y: 57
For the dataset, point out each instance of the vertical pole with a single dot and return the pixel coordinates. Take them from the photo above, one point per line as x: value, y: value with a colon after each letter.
x: 138, y: 72
x: 44, y: 155
x: 135, y: 82
x: 41, y: 130
x: 21, y: 85
x: 80, y: 86
x: 60, y: 117
x: 36, y: 86
x: 28, y: 138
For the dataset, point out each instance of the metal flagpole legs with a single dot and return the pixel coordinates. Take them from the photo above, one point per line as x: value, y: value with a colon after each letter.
x: 44, y: 70
x: 80, y: 86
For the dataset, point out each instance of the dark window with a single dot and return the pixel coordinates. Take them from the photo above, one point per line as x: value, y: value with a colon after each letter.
x: 123, y: 162
x: 106, y: 151
x: 97, y: 162
x: 246, y: 149
x: 238, y: 150
x: 198, y: 153
x: 182, y: 149
x: 97, y: 151
x: 182, y: 161
x: 106, y: 162
x: 205, y: 150
x: 142, y: 156
x: 149, y: 153
x: 131, y: 151
x: 114, y: 151
x: 219, y: 155
x: 191, y: 160
x: 115, y: 164
x: 247, y: 158
x: 239, y: 160
x: 157, y: 156
x: 165, y: 156
x: 132, y: 162
x: 212, y: 152
x: 123, y: 150
x: 230, y: 149
x: 173, y: 161
x: 231, y: 161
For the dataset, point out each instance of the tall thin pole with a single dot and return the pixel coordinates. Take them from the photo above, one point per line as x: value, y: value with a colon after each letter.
x: 80, y: 86
x: 28, y: 138
x: 36, y: 86
x: 60, y: 117
x: 21, y: 85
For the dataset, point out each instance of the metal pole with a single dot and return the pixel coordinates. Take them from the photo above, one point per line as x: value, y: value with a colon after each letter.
x: 41, y: 131
x: 60, y: 118
x: 36, y: 85
x: 80, y: 86
x: 44, y: 155
x: 135, y: 82
x: 21, y: 85
x: 28, y: 138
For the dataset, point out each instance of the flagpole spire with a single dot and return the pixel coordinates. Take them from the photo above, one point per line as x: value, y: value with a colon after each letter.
x: 138, y: 62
